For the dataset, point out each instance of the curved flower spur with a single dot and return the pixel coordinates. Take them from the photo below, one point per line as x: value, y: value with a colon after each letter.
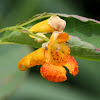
x: 53, y: 55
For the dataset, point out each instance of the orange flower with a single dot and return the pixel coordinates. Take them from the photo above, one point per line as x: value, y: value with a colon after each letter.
x: 54, y: 23
x: 53, y: 55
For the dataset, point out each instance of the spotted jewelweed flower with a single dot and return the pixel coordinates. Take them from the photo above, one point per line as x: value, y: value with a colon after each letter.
x: 54, y: 23
x: 53, y: 56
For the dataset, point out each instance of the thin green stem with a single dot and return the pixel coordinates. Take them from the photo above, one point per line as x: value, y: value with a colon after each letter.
x: 19, y: 26
x: 4, y: 29
x: 30, y: 21
x: 37, y: 18
x: 43, y: 38
x: 25, y: 30
x: 10, y: 29
x: 29, y: 33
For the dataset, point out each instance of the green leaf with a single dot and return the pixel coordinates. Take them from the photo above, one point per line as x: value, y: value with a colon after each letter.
x: 83, y: 49
x: 19, y: 38
x: 85, y: 28
x: 10, y: 77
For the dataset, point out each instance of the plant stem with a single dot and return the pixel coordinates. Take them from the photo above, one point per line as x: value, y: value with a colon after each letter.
x: 19, y: 27
x: 9, y: 28
x: 29, y: 33
x: 37, y: 18
x: 30, y: 21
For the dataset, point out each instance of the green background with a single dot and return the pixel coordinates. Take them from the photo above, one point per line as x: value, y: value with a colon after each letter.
x: 17, y: 85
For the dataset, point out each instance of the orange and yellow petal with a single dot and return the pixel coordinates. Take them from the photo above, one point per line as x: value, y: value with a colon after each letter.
x: 59, y: 37
x: 53, y: 73
x: 62, y: 37
x: 42, y: 26
x: 57, y: 50
x: 72, y: 65
x: 54, y: 23
x: 35, y: 58
x: 21, y: 67
x: 57, y: 53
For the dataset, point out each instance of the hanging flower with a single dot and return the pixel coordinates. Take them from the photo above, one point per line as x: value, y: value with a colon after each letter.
x: 53, y: 55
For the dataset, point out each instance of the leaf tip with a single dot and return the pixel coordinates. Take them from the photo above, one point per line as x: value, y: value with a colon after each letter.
x: 74, y: 37
x: 97, y: 49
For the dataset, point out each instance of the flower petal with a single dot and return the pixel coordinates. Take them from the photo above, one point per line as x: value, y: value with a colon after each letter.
x: 21, y: 67
x: 42, y: 26
x: 53, y: 73
x: 58, y: 37
x: 35, y: 58
x: 57, y: 53
x: 57, y: 23
x: 72, y: 65
x: 62, y: 37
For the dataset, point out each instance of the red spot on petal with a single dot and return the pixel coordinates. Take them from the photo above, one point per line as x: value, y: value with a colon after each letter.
x: 57, y: 58
x: 54, y: 58
x: 65, y: 61
x: 56, y: 52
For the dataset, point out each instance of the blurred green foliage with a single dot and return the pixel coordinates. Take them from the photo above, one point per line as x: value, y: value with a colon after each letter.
x: 85, y: 86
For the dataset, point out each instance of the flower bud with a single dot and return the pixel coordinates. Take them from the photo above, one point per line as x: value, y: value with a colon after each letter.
x: 54, y: 23
x: 57, y: 23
